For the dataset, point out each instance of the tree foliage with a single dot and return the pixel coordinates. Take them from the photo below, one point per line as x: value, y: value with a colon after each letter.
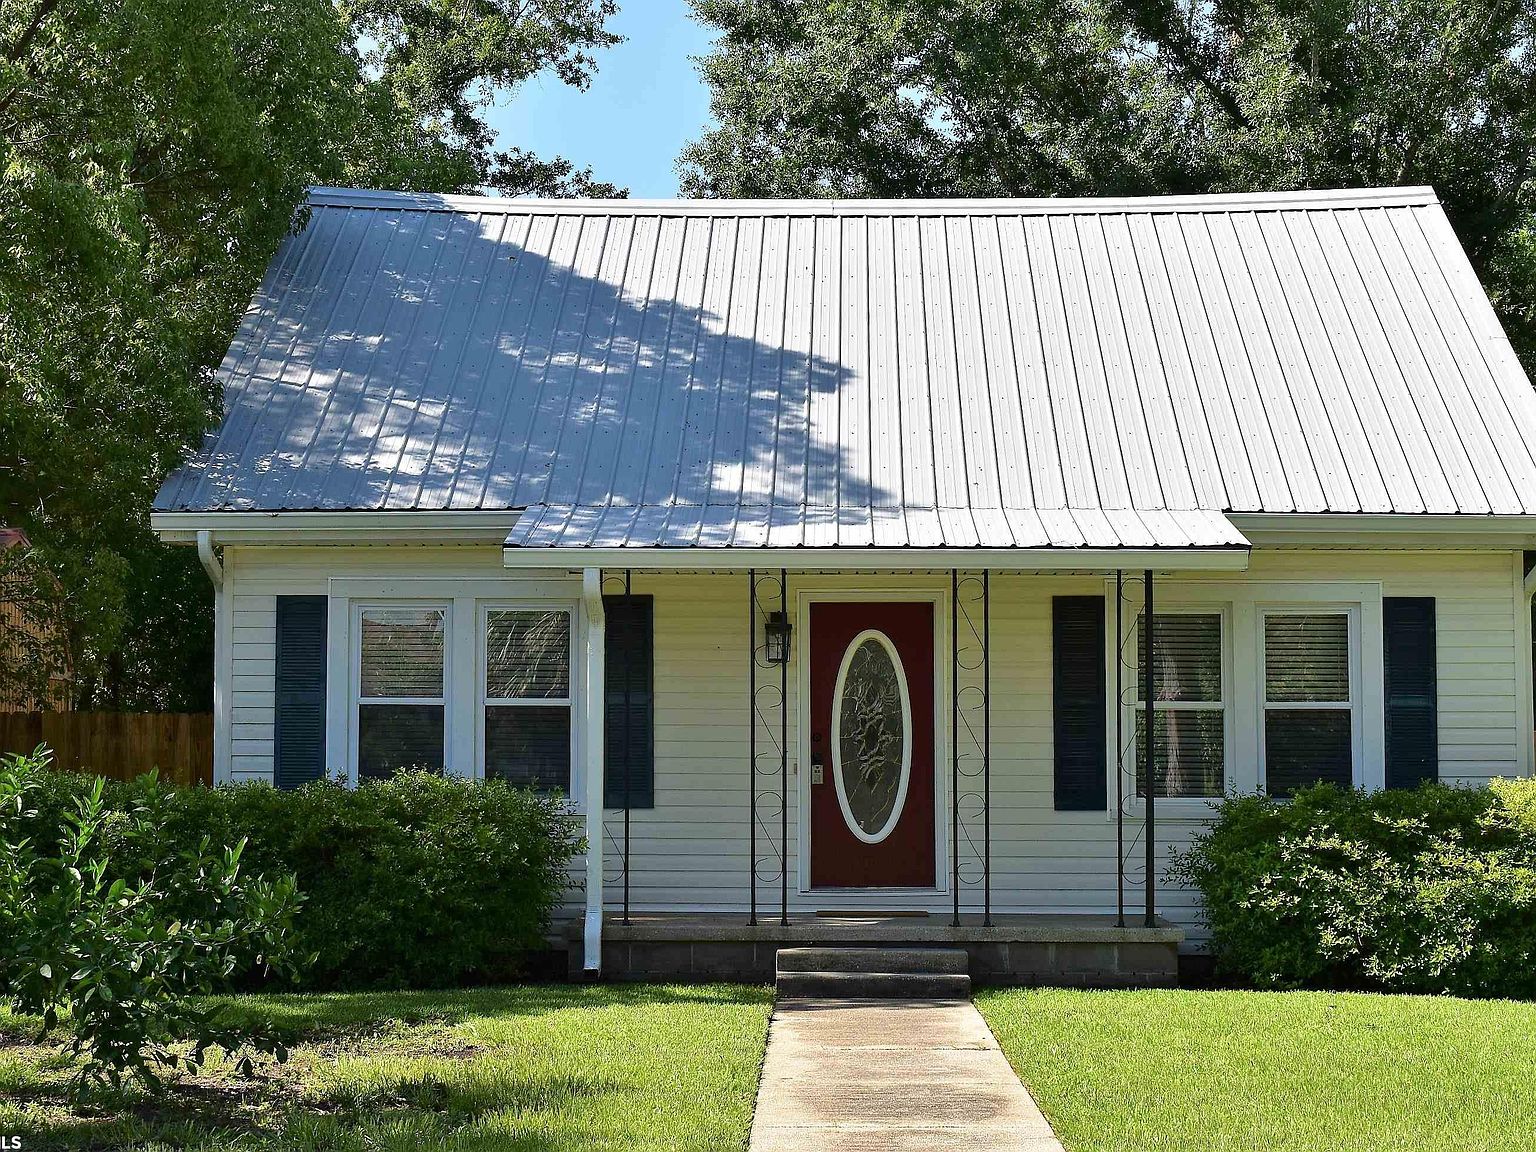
x: 434, y: 66
x: 946, y: 98
x: 153, y: 153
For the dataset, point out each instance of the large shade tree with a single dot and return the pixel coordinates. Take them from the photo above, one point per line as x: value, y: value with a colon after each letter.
x: 1088, y: 97
x: 153, y: 153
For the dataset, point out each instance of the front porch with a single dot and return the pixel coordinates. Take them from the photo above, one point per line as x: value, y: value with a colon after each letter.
x: 1012, y: 829
x: 1065, y: 950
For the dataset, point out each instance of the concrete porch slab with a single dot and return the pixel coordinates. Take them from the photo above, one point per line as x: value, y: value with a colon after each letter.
x: 730, y: 926
x: 1084, y: 950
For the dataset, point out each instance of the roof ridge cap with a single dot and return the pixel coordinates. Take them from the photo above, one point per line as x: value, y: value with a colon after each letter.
x: 1319, y: 199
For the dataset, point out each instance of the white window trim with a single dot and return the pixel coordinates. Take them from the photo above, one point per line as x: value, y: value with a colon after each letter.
x: 573, y: 668
x: 550, y: 589
x: 1244, y: 600
x: 355, y: 699
x: 1351, y: 614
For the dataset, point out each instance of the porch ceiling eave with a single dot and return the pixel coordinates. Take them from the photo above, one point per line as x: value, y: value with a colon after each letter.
x: 809, y: 537
x: 1223, y: 558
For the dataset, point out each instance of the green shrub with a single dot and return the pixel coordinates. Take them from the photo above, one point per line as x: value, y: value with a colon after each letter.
x: 417, y: 881
x: 1428, y: 890
x: 129, y: 960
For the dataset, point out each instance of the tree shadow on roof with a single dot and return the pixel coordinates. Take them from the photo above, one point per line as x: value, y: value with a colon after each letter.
x: 434, y: 360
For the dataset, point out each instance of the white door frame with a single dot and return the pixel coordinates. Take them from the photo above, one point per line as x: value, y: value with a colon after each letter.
x: 927, y: 591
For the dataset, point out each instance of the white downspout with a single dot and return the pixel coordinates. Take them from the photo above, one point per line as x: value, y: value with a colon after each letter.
x: 593, y: 711
x: 1525, y: 667
x: 210, y: 562
x: 221, y: 664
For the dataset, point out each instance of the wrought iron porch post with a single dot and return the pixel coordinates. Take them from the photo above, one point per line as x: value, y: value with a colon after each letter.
x: 592, y: 784
x: 784, y: 760
x: 954, y: 740
x: 629, y: 745
x: 1149, y: 756
x: 752, y: 745
x: 1119, y: 750
x: 986, y: 751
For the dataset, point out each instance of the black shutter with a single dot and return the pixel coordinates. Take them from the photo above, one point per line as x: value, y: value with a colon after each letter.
x: 628, y: 735
x: 1413, y: 734
x: 298, y: 754
x: 1079, y: 702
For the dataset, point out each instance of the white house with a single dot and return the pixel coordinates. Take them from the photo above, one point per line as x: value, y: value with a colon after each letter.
x: 805, y: 543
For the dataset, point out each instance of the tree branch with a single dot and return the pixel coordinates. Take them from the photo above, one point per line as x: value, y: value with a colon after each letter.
x: 1161, y: 23
x: 22, y: 43
x: 19, y: 48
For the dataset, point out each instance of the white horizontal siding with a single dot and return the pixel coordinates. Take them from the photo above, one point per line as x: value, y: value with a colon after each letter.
x: 1476, y: 631
x: 690, y: 852
x: 258, y: 575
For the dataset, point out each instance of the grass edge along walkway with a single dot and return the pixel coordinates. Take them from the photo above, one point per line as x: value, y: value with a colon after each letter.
x: 544, y: 1068
x: 1159, y: 1070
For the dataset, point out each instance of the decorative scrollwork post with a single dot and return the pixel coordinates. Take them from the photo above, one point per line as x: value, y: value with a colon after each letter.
x: 1135, y: 761
x: 971, y: 735
x: 767, y: 746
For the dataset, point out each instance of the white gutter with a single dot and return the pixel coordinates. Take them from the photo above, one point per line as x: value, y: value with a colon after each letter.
x: 468, y: 526
x: 593, y: 711
x: 1262, y: 527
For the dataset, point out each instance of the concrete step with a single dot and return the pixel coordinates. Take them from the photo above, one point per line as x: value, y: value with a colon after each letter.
x: 876, y: 985
x: 916, y: 961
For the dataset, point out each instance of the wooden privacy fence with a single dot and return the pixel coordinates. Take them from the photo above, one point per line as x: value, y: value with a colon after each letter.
x: 119, y: 745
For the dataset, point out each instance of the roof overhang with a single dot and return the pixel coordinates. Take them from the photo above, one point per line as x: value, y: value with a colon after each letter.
x: 473, y: 526
x: 812, y: 538
x: 1232, y: 558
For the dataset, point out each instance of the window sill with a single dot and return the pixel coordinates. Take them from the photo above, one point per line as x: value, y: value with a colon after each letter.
x: 1188, y: 809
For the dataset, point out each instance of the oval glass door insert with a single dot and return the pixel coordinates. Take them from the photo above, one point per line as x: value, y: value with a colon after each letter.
x: 871, y: 736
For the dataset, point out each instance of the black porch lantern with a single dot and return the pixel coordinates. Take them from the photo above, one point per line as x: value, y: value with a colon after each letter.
x: 776, y: 638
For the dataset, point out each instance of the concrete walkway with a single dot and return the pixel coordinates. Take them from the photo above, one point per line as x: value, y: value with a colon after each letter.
x: 892, y: 1075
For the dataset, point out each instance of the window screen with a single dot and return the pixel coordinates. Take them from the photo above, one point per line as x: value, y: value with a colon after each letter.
x: 1189, y: 744
x: 400, y: 694
x: 1308, y: 701
x: 527, y: 706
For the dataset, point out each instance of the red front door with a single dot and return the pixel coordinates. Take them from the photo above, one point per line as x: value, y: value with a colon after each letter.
x: 872, y: 802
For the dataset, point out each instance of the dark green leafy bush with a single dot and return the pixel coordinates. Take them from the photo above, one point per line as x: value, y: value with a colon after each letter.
x: 416, y: 881
x: 130, y: 960
x: 1428, y: 890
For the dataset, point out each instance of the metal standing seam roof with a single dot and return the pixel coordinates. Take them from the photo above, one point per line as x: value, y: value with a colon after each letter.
x: 1016, y: 373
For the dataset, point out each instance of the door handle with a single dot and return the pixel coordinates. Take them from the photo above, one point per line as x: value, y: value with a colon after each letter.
x: 818, y: 768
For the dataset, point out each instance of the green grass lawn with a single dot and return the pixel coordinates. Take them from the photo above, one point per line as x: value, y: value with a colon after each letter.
x: 541, y: 1068
x: 1302, y: 1071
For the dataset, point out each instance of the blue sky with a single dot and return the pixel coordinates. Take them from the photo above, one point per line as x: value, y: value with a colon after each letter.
x: 644, y: 104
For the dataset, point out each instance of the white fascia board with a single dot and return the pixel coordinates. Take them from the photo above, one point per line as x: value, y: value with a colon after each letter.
x: 1373, y: 530
x: 469, y: 525
x: 1225, y: 559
